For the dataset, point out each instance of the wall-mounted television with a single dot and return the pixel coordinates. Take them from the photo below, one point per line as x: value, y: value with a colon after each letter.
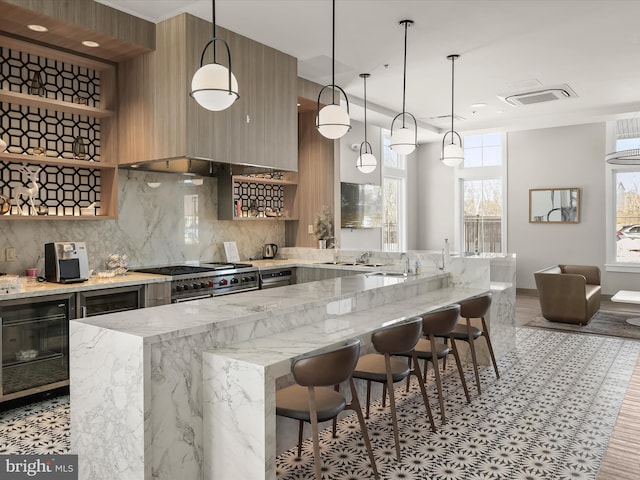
x: 361, y: 205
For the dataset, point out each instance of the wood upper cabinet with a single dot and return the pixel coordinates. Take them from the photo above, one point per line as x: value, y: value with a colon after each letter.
x: 160, y: 119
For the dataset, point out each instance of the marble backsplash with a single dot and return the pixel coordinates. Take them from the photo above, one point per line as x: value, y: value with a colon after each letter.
x: 152, y: 228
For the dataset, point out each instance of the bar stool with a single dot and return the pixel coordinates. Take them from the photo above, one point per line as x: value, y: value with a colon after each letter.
x: 439, y: 323
x: 476, y: 307
x: 382, y: 368
x: 311, y: 400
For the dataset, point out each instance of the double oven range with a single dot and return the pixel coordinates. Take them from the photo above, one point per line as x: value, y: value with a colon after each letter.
x: 208, y: 279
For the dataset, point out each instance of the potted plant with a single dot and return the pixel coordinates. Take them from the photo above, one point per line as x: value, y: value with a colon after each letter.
x: 323, y: 227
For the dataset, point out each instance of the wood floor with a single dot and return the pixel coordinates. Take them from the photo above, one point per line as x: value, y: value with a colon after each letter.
x: 622, y: 458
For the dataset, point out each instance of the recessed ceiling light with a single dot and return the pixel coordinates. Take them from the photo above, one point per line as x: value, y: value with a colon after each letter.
x: 90, y: 43
x: 478, y: 105
x: 37, y: 28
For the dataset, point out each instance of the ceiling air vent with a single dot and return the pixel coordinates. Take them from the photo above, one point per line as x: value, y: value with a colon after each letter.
x: 541, y: 95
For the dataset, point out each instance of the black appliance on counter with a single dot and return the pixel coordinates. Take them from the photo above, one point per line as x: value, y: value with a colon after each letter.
x: 66, y: 262
x: 207, y: 280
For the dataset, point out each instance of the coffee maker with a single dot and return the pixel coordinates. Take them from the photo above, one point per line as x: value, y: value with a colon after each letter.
x: 66, y: 262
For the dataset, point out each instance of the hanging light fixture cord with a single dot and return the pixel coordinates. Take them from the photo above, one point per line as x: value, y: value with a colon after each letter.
x: 333, y: 54
x: 404, y: 74
x: 213, y: 28
x: 453, y: 59
x: 364, y: 77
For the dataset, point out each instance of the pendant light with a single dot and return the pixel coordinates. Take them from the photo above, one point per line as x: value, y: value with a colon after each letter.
x: 366, y: 162
x: 452, y: 153
x: 404, y: 139
x: 213, y: 86
x: 332, y: 121
x: 624, y: 157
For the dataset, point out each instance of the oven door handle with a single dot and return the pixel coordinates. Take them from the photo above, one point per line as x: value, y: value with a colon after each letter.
x: 188, y: 299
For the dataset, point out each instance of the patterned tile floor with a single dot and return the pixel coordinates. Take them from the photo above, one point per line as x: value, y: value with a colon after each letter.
x: 549, y: 417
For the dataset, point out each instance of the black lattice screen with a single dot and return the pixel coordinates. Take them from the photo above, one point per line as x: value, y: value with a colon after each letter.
x: 62, y: 189
x: 256, y: 197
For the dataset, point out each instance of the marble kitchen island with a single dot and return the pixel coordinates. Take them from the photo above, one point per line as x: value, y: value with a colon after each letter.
x: 138, y: 403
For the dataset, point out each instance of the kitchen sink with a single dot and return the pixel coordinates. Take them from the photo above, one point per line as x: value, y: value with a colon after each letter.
x: 353, y: 264
x: 387, y: 274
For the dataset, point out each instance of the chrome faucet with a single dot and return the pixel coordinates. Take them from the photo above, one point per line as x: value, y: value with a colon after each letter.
x: 408, y: 268
x: 364, y: 258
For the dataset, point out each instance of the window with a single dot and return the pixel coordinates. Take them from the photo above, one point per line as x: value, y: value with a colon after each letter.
x: 394, y: 192
x: 623, y: 200
x: 482, y: 215
x: 481, y: 204
x: 483, y: 150
x: 627, y: 214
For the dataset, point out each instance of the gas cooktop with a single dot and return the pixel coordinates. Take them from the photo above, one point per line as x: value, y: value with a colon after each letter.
x: 175, y: 270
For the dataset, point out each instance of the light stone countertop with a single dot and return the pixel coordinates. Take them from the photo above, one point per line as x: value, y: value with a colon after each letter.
x: 257, y: 308
x: 278, y: 349
x: 31, y: 288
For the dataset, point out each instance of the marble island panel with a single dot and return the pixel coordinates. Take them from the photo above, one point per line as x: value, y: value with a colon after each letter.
x: 137, y: 377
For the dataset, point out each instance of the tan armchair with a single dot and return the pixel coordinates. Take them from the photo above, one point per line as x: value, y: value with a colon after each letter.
x: 569, y: 293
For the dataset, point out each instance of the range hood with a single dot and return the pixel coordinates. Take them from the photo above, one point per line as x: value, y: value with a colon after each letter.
x: 180, y: 165
x: 201, y: 167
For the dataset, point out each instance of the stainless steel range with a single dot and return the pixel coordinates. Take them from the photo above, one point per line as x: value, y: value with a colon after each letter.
x: 207, y: 280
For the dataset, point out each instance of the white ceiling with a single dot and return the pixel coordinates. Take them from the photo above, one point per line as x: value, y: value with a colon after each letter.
x: 505, y: 46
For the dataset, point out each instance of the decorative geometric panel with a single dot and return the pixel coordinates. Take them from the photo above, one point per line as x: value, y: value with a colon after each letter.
x: 63, y: 190
x: 256, y: 197
x: 62, y: 81
x: 24, y: 128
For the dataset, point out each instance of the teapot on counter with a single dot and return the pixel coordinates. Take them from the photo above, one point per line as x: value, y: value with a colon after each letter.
x: 269, y: 250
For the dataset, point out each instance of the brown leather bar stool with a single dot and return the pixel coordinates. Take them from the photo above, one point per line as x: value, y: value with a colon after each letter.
x: 476, y: 307
x: 439, y: 323
x: 314, y: 399
x: 382, y: 368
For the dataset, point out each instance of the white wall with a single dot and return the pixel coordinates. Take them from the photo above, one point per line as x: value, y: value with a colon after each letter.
x: 434, y: 200
x: 556, y: 157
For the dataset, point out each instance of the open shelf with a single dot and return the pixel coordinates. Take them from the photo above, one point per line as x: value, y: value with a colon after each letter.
x: 8, y: 96
x: 270, y: 181
x: 253, y: 219
x: 44, y: 160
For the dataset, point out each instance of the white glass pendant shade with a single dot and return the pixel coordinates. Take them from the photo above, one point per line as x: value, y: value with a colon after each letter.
x: 210, y: 87
x: 333, y: 121
x: 403, y: 141
x: 366, y: 163
x: 452, y: 155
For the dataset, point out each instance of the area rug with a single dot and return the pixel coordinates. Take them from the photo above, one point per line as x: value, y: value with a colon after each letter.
x: 603, y: 323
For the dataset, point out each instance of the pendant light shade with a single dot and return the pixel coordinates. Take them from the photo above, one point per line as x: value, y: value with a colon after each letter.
x: 332, y: 120
x: 452, y: 152
x: 214, y: 86
x: 404, y: 137
x: 366, y: 162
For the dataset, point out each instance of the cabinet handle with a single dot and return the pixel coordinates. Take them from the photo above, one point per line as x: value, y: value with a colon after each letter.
x: 83, y: 311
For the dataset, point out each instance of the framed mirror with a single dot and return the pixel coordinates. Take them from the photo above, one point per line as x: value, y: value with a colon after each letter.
x: 554, y: 205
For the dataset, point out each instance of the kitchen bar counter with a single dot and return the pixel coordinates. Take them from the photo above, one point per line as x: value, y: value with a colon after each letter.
x: 137, y: 378
x: 31, y: 288
x: 240, y: 381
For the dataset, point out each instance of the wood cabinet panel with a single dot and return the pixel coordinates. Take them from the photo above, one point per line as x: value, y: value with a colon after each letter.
x: 260, y: 128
